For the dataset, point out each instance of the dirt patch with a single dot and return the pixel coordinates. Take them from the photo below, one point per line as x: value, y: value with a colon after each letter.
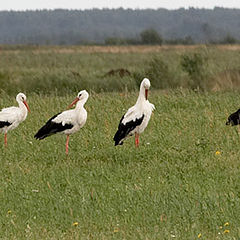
x: 118, y: 72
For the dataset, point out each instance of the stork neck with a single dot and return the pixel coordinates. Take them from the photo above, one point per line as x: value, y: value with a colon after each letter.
x: 22, y: 106
x: 80, y: 104
x: 141, y: 96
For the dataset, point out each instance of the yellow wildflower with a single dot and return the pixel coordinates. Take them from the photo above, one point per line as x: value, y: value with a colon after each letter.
x: 75, y: 224
x: 226, y: 224
x: 9, y: 212
x: 199, y: 235
x: 116, y: 230
x: 217, y: 153
x: 226, y: 231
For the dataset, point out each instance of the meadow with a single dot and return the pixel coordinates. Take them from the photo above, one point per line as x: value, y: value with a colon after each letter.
x: 181, y: 183
x: 65, y: 70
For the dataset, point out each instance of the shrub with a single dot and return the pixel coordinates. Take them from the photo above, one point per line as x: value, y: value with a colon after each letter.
x: 195, y: 66
x: 229, y: 40
x: 158, y: 72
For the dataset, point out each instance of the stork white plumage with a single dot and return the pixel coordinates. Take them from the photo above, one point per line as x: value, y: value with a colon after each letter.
x: 67, y: 122
x: 136, y: 118
x: 11, y: 117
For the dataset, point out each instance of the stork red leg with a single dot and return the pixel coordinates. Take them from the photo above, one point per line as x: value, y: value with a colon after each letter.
x: 5, y: 139
x: 136, y: 139
x: 67, y: 144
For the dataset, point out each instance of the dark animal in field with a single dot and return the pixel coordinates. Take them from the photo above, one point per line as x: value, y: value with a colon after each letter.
x: 234, y: 118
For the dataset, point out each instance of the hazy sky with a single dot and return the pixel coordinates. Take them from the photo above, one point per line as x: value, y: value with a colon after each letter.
x: 87, y: 4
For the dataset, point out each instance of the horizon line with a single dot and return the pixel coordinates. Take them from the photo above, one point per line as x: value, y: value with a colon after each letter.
x: 114, y: 8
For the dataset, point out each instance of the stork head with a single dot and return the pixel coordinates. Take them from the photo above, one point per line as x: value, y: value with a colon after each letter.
x: 146, y: 85
x: 82, y: 96
x: 21, y: 97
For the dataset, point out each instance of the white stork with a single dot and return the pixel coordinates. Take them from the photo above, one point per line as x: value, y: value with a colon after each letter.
x: 136, y: 118
x: 11, y: 117
x: 67, y: 122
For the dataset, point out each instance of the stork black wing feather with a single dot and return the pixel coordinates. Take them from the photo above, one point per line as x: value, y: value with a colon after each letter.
x: 4, y: 124
x: 125, y: 129
x: 51, y: 128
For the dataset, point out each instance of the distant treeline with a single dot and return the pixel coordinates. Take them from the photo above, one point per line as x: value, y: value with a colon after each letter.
x: 120, y: 26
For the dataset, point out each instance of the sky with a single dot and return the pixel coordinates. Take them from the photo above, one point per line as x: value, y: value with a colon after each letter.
x: 140, y: 4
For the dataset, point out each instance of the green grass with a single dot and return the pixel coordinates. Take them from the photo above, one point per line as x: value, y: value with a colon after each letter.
x: 173, y: 186
x: 65, y: 70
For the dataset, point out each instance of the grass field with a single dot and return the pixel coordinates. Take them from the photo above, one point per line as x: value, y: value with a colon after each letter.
x: 181, y: 183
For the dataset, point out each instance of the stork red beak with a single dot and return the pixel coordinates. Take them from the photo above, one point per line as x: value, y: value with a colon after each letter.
x: 25, y: 103
x: 74, y: 102
x: 146, y: 94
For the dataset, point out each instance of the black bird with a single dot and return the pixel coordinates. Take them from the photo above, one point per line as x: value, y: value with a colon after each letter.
x: 234, y: 118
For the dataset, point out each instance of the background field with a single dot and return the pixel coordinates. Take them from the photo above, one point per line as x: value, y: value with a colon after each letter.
x: 66, y: 70
x: 182, y: 181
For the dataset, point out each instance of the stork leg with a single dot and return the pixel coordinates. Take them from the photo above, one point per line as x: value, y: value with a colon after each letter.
x: 67, y: 144
x: 5, y: 139
x: 136, y: 139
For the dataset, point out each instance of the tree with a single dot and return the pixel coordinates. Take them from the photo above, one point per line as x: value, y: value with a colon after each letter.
x: 229, y: 39
x: 150, y: 36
